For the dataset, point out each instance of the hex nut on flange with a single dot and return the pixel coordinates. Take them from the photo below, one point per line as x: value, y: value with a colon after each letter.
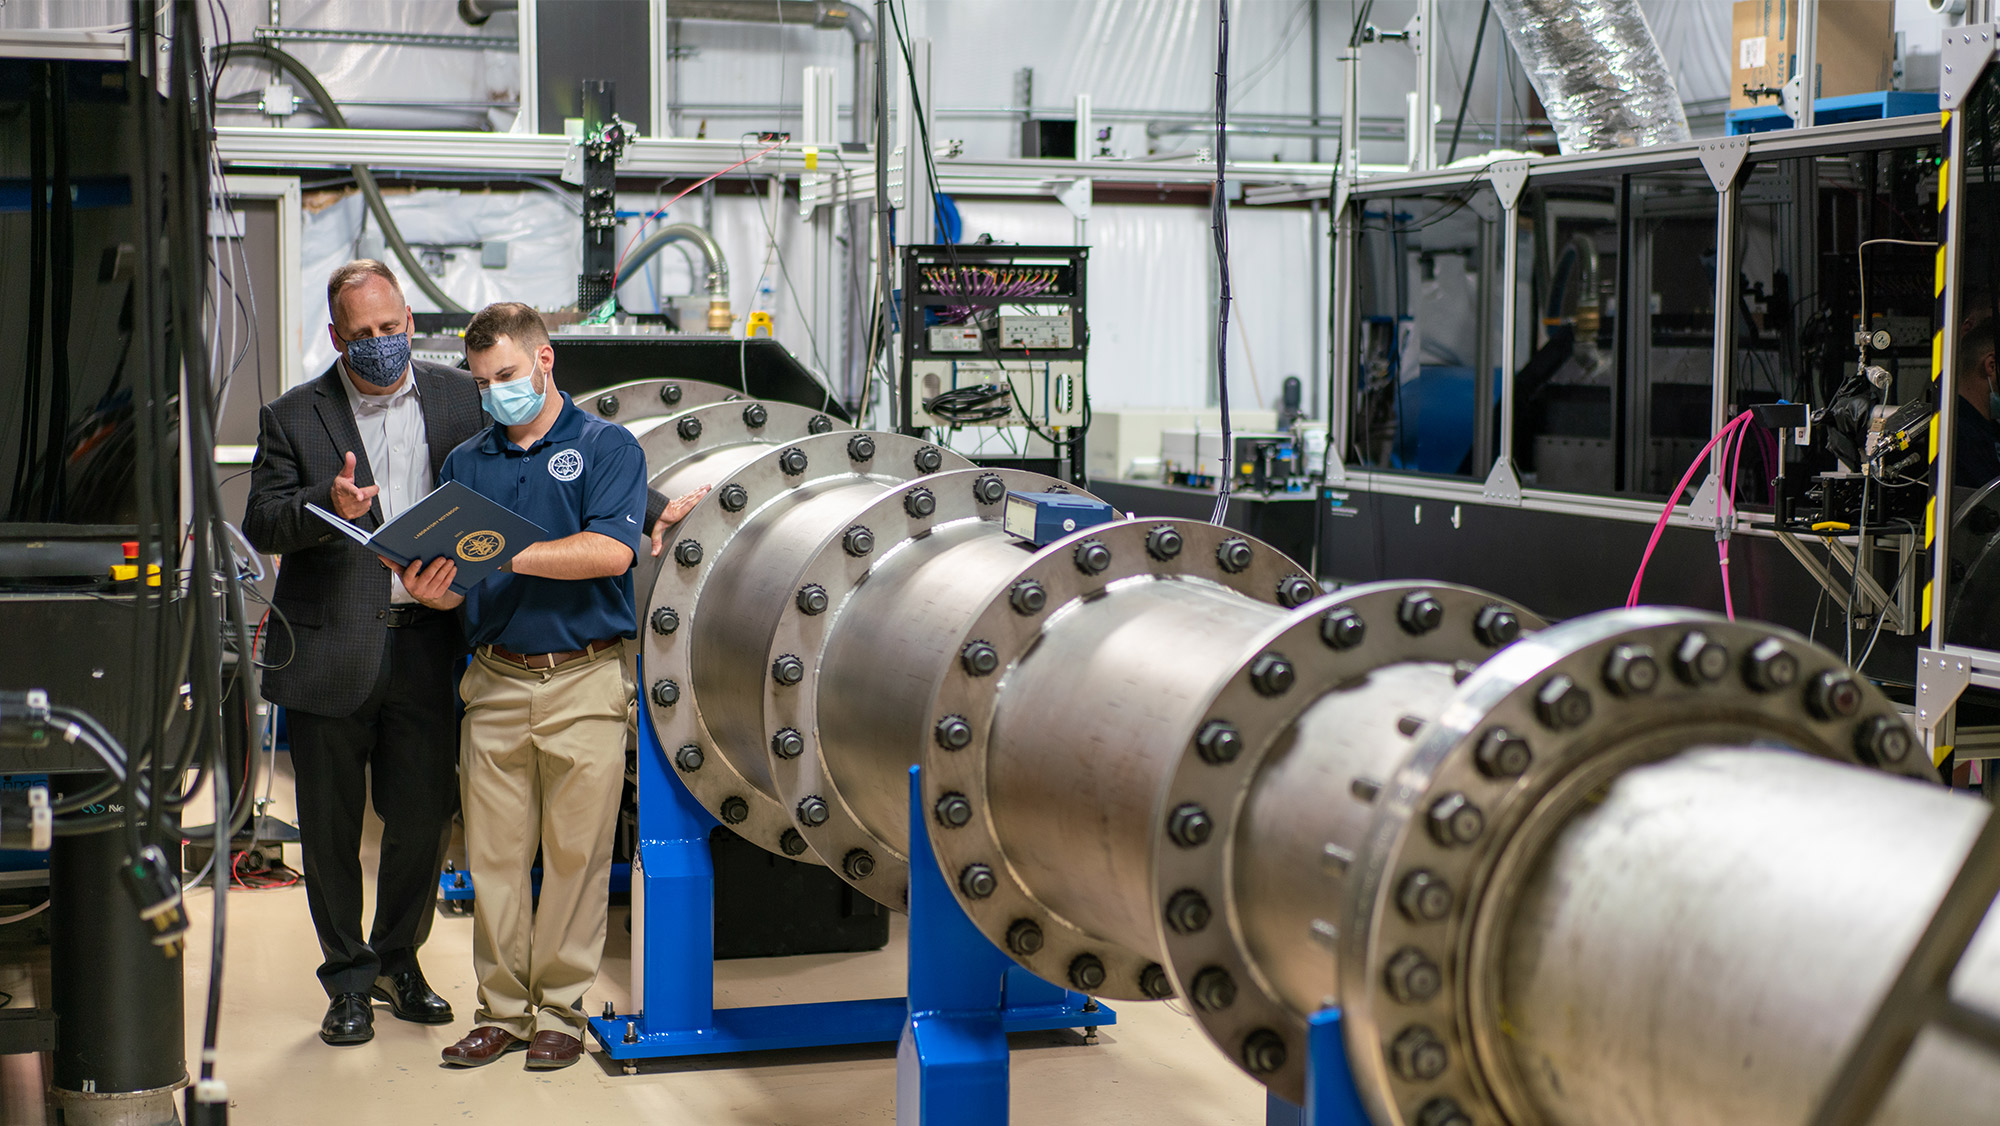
x: 735, y: 810
x: 607, y: 405
x: 1263, y: 1052
x: 1418, y: 1054
x: 688, y: 428
x: 1883, y: 739
x: 1091, y: 557
x: 1086, y: 972
x: 1699, y: 659
x: 1412, y: 977
x: 928, y: 460
x: 1027, y: 597
x: 732, y: 497
x: 791, y: 843
x: 666, y: 693
x: 812, y: 599
x: 1419, y: 612
x: 1163, y: 542
x: 1455, y: 821
x: 989, y: 489
x: 687, y: 553
x: 919, y: 503
x: 819, y: 424
x: 1213, y: 989
x: 1271, y: 674
x: 1154, y: 982
x: 670, y: 393
x: 1496, y: 625
x: 1187, y: 911
x: 1342, y: 628
x: 1631, y: 670
x: 792, y: 462
x: 979, y: 658
x: 1562, y: 702
x: 859, y: 864
x: 1218, y: 742
x: 953, y: 733
x: 1295, y: 591
x: 953, y: 811
x: 1834, y: 694
x: 812, y: 812
x: 1189, y: 825
x: 857, y: 541
x: 977, y: 881
x: 1503, y: 754
x: 1443, y: 1111
x: 1423, y: 896
x: 666, y: 620
x: 1234, y: 555
x: 788, y: 743
x: 1770, y: 666
x: 788, y: 670
x: 688, y: 759
x: 755, y: 416
x: 860, y: 448
x: 1024, y: 937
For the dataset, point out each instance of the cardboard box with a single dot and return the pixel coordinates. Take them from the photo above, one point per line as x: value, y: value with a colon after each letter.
x: 1856, y: 52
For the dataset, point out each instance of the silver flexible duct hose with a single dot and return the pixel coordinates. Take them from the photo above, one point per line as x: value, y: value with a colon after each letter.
x: 1598, y: 71
x: 718, y: 266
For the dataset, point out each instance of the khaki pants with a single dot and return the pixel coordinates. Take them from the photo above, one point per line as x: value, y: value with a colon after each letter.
x: 543, y: 763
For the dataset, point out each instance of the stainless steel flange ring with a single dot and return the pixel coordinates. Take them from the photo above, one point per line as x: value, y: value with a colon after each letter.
x: 1571, y: 707
x: 727, y: 567
x: 939, y: 556
x: 686, y: 450
x: 1287, y: 772
x: 1049, y: 858
x: 641, y: 403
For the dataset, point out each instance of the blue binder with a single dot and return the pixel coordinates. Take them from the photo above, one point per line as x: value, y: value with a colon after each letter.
x: 452, y: 520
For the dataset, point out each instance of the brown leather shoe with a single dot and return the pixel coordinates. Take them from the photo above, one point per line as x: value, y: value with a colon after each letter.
x: 482, y: 1046
x: 552, y: 1050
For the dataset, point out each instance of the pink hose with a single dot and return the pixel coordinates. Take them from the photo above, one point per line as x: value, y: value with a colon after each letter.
x: 1660, y: 527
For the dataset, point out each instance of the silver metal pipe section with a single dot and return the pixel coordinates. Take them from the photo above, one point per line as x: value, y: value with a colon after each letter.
x: 711, y: 251
x: 1598, y: 70
x: 1649, y: 866
x: 824, y: 14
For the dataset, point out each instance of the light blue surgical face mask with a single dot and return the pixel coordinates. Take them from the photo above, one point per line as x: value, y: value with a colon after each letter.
x: 515, y: 401
x: 1993, y: 406
x: 379, y: 360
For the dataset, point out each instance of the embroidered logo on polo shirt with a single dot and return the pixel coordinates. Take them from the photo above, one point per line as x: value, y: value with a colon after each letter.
x: 566, y: 465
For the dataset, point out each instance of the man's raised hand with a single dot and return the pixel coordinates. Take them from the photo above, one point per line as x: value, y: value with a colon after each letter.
x: 352, y: 501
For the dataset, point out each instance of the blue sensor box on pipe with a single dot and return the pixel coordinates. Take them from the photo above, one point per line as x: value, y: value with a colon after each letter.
x: 1042, y: 518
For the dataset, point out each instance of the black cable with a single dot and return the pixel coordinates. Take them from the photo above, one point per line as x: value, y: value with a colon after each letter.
x: 38, y: 238
x: 978, y: 403
x: 1219, y: 223
x: 1471, y: 74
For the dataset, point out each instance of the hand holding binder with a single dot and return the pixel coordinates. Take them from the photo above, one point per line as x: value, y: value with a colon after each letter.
x: 452, y: 522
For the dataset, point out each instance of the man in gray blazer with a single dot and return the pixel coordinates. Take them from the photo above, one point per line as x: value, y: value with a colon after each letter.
x: 366, y: 674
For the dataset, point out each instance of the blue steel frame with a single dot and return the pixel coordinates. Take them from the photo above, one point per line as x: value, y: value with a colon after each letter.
x: 957, y: 978
x: 1331, y: 1099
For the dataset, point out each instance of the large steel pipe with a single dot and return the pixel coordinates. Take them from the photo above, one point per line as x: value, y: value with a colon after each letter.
x: 1591, y: 872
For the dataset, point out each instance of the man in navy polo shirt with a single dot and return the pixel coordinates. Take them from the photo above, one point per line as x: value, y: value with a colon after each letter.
x: 546, y: 696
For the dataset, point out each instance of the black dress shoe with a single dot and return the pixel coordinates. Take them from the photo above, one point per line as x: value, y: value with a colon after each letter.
x: 410, y: 997
x: 350, y: 1019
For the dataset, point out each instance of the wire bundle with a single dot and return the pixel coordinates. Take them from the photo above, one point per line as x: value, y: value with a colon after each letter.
x: 1005, y: 282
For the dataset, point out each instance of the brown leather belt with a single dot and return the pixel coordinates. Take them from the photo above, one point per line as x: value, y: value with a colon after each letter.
x: 542, y: 662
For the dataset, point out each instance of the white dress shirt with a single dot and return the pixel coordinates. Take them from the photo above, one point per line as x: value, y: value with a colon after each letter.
x: 398, y: 448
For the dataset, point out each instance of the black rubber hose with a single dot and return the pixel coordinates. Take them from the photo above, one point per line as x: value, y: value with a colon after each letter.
x: 328, y: 109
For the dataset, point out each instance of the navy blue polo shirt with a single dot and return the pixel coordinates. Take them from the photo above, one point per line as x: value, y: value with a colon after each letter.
x: 584, y: 475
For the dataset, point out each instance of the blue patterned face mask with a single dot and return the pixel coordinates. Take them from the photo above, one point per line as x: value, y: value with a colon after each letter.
x: 380, y: 360
x: 513, y: 402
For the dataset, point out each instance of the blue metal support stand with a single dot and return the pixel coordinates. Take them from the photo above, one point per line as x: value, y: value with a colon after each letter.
x: 673, y: 944
x: 965, y: 996
x: 1331, y: 1099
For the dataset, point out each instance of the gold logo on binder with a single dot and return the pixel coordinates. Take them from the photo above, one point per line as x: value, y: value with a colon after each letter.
x: 476, y: 547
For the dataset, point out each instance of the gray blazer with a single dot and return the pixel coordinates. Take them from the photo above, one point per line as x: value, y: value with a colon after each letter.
x: 333, y: 593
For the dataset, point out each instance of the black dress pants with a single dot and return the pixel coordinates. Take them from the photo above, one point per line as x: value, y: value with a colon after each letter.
x: 406, y: 734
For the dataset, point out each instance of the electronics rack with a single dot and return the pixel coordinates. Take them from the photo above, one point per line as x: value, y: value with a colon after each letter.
x: 996, y: 336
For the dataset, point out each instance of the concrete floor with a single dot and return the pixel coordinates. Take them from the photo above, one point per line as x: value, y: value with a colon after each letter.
x: 1153, y: 1068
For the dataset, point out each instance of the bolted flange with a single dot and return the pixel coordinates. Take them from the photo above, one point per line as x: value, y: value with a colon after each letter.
x: 812, y: 812
x: 928, y: 460
x: 1455, y: 821
x: 857, y: 541
x: 1443, y: 1111
x: 1295, y: 590
x: 1263, y: 1052
x: 859, y: 864
x: 755, y: 416
x: 953, y: 733
x: 1834, y: 694
x: 1234, y: 555
x: 819, y: 424
x: 734, y: 810
x: 666, y: 693
x: 607, y: 405
x: 1154, y: 982
x: 665, y: 620
x: 788, y: 743
x: 791, y: 843
x: 1342, y: 628
x: 861, y: 448
x: 1562, y: 703
x: 989, y: 489
x: 1883, y: 740
x: 688, y: 758
x: 687, y: 553
x: 732, y: 497
x: 1164, y: 542
x: 688, y: 428
x: 919, y: 503
x: 792, y: 461
x: 1419, y: 612
x: 670, y: 393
